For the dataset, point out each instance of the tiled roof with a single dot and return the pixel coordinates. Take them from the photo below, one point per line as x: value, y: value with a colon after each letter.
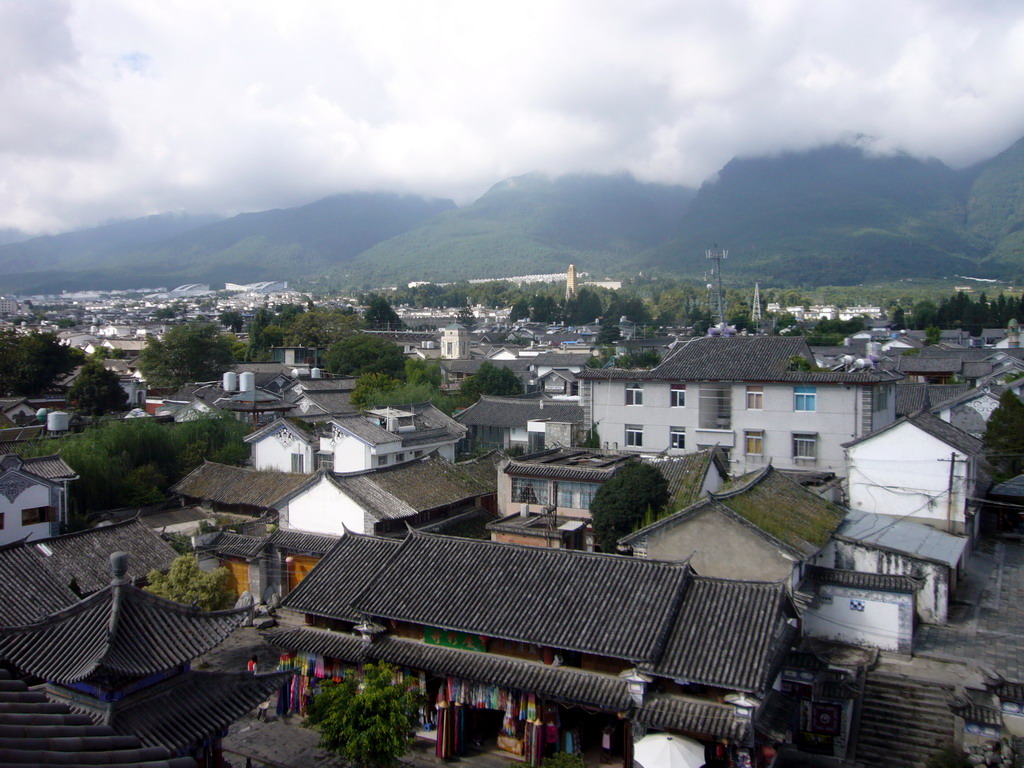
x: 340, y: 576
x: 288, y: 540
x: 791, y: 515
x: 860, y: 580
x: 492, y: 411
x: 1014, y: 487
x: 739, y: 358
x: 562, y: 599
x: 277, y: 425
x: 84, y: 557
x: 228, y: 544
x: 415, y: 486
x: 782, y: 508
x: 49, y: 468
x: 728, y: 634
x: 686, y: 474
x: 32, y: 589
x: 343, y: 646
x: 582, y: 465
x: 677, y: 713
x: 937, y: 428
x: 912, y: 396
x: 359, y: 426
x: 224, y: 484
x: 566, y: 684
x: 191, y: 707
x: 120, y: 630
x: 37, y: 731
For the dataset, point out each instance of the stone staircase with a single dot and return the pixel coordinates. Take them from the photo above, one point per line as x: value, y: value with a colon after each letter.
x: 903, y: 721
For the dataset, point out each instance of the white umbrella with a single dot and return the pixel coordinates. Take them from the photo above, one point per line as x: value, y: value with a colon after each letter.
x: 663, y: 750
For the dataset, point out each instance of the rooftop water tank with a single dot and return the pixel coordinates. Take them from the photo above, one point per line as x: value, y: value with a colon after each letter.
x: 57, y: 421
x: 316, y: 373
x: 247, y: 382
x: 230, y: 381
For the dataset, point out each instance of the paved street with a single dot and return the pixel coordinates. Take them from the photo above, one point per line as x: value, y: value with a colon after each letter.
x: 987, y: 626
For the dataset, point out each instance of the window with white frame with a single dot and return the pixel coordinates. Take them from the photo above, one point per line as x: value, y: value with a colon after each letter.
x: 805, y: 446
x: 298, y: 463
x: 634, y: 393
x: 677, y: 398
x: 677, y: 437
x: 634, y: 435
x: 576, y: 495
x: 529, y: 490
x: 382, y: 460
x: 755, y: 397
x: 754, y: 441
x: 805, y: 398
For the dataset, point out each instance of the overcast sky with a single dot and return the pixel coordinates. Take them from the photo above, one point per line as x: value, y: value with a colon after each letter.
x: 122, y: 108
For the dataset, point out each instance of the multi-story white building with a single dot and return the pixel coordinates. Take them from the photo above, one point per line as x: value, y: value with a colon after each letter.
x: 756, y: 397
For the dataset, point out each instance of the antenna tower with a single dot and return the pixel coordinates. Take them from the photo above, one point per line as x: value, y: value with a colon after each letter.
x: 755, y: 311
x: 718, y: 299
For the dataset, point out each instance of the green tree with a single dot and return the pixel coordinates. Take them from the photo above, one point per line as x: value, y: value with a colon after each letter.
x: 610, y: 332
x: 186, y: 583
x: 33, y: 362
x: 320, y: 328
x: 193, y: 352
x: 932, y: 335
x: 381, y: 317
x: 419, y: 371
x: 370, y: 723
x: 370, y: 387
x: 231, y: 320
x: 520, y: 310
x: 364, y: 353
x: 1004, y: 436
x: 97, y: 390
x: 491, y: 380
x: 621, y: 503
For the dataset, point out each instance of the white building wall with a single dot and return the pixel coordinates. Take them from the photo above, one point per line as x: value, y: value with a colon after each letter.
x: 351, y: 455
x: 273, y: 454
x: 860, y: 617
x: 36, y: 495
x: 904, y: 472
x: 323, y: 508
x: 837, y: 419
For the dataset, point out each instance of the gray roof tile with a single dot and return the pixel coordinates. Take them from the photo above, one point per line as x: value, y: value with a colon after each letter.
x: 119, y: 631
x: 561, y: 598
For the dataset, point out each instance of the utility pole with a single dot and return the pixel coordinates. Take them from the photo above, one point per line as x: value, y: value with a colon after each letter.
x: 949, y: 492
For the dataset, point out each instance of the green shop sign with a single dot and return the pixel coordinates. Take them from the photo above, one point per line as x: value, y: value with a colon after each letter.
x: 451, y: 639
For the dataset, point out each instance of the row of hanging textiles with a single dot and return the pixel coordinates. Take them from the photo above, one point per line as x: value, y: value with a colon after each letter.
x: 312, y: 668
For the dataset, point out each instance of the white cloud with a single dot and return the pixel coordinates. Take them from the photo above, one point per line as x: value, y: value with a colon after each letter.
x: 120, y: 109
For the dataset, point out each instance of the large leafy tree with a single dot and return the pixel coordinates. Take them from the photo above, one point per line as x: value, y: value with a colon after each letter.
x: 371, y: 723
x: 187, y: 583
x: 381, y: 317
x: 621, y: 503
x: 491, y: 380
x: 321, y: 327
x: 1004, y: 436
x: 193, y: 352
x: 32, y: 363
x: 97, y: 390
x: 362, y: 354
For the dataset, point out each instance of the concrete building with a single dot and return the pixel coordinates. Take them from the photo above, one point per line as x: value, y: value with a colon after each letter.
x: 759, y: 399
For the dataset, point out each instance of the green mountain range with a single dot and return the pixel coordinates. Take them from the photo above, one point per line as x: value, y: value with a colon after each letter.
x: 830, y: 216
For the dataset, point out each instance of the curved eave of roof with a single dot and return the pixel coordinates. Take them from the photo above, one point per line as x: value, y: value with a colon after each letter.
x: 121, y: 629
